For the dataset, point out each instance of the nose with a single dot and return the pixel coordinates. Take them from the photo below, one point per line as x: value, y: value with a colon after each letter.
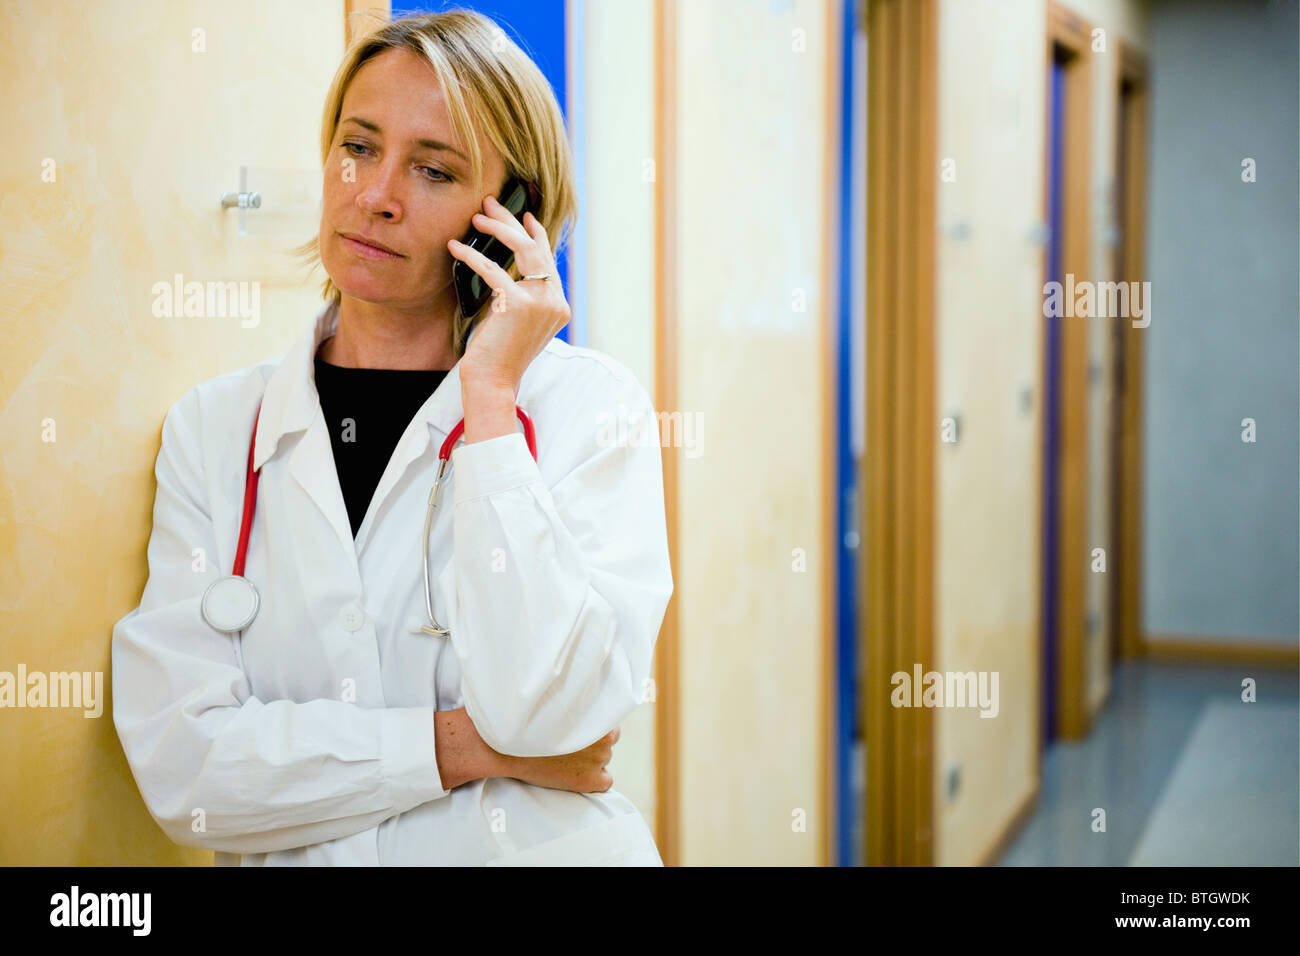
x: 378, y: 194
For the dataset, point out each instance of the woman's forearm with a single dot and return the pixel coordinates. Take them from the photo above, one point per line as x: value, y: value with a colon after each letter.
x: 463, y: 756
x: 461, y: 753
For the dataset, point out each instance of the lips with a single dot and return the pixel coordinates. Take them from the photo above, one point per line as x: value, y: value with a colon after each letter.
x: 373, y: 243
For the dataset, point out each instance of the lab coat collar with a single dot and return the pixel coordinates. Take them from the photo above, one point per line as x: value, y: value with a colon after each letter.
x: 291, y: 403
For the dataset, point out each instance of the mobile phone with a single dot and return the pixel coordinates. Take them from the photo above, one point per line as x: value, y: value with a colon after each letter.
x: 471, y: 289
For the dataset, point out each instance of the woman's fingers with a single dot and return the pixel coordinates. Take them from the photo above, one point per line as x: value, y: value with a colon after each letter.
x: 543, y: 260
x: 527, y: 239
x: 536, y: 230
x: 511, y: 235
x: 498, y: 279
x: 500, y: 213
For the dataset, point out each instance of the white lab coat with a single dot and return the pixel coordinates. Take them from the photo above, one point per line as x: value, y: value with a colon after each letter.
x: 309, y: 737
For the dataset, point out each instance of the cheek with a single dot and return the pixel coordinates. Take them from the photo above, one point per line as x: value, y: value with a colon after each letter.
x: 336, y: 196
x: 455, y: 225
x: 438, y: 226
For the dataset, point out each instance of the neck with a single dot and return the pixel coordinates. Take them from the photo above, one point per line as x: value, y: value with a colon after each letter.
x: 370, y: 335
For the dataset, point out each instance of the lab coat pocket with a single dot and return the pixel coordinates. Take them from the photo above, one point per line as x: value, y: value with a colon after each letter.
x: 624, y: 840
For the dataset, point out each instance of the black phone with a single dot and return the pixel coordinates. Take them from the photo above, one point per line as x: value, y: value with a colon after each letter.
x: 471, y: 289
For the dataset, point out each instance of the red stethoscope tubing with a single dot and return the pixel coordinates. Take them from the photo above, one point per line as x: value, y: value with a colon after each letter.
x: 250, y: 481
x: 250, y: 502
x: 529, y: 435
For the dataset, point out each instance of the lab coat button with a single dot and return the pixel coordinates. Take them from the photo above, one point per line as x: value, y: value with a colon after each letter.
x: 352, y: 617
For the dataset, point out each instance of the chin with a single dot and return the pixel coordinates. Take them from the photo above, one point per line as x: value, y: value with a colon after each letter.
x: 358, y: 280
x: 366, y: 288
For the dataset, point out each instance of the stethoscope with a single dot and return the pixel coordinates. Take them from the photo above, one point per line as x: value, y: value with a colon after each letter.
x: 230, y: 603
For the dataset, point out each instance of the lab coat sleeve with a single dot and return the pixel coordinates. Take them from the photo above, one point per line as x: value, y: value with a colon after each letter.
x: 555, y: 595
x: 217, y: 767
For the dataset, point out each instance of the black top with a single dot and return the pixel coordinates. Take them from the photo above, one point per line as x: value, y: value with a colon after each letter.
x: 366, y: 412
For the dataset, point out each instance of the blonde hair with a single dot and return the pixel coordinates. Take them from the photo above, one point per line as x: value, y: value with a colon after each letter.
x: 487, y: 81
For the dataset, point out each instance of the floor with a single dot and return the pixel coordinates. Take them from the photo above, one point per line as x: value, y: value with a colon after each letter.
x: 1187, y: 773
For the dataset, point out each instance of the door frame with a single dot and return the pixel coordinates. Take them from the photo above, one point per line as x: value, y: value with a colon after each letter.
x: 1069, y: 33
x: 1133, y: 85
x: 668, y: 810
x: 896, y: 628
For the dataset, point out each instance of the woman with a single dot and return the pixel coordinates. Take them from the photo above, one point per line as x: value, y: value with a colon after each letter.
x: 339, y: 727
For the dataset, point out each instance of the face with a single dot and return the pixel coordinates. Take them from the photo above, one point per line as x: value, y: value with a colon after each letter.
x: 397, y: 175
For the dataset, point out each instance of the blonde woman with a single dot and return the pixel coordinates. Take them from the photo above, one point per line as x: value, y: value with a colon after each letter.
x: 357, y: 692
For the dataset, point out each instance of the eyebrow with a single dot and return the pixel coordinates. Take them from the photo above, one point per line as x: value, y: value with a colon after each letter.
x: 435, y: 144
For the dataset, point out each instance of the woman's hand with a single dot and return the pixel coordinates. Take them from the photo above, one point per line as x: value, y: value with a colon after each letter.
x: 523, y: 316
x: 581, y: 772
x: 464, y: 756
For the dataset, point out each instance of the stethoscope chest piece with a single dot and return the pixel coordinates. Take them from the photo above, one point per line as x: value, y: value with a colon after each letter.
x: 230, y: 603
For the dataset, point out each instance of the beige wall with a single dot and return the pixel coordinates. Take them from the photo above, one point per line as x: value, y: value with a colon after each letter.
x: 992, y: 89
x: 145, y: 134
x: 617, y: 212
x: 751, y: 217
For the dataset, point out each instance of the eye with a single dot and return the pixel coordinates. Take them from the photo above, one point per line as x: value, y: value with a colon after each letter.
x: 362, y: 146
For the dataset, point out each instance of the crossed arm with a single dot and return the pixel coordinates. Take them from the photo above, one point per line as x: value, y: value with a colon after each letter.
x: 463, y: 756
